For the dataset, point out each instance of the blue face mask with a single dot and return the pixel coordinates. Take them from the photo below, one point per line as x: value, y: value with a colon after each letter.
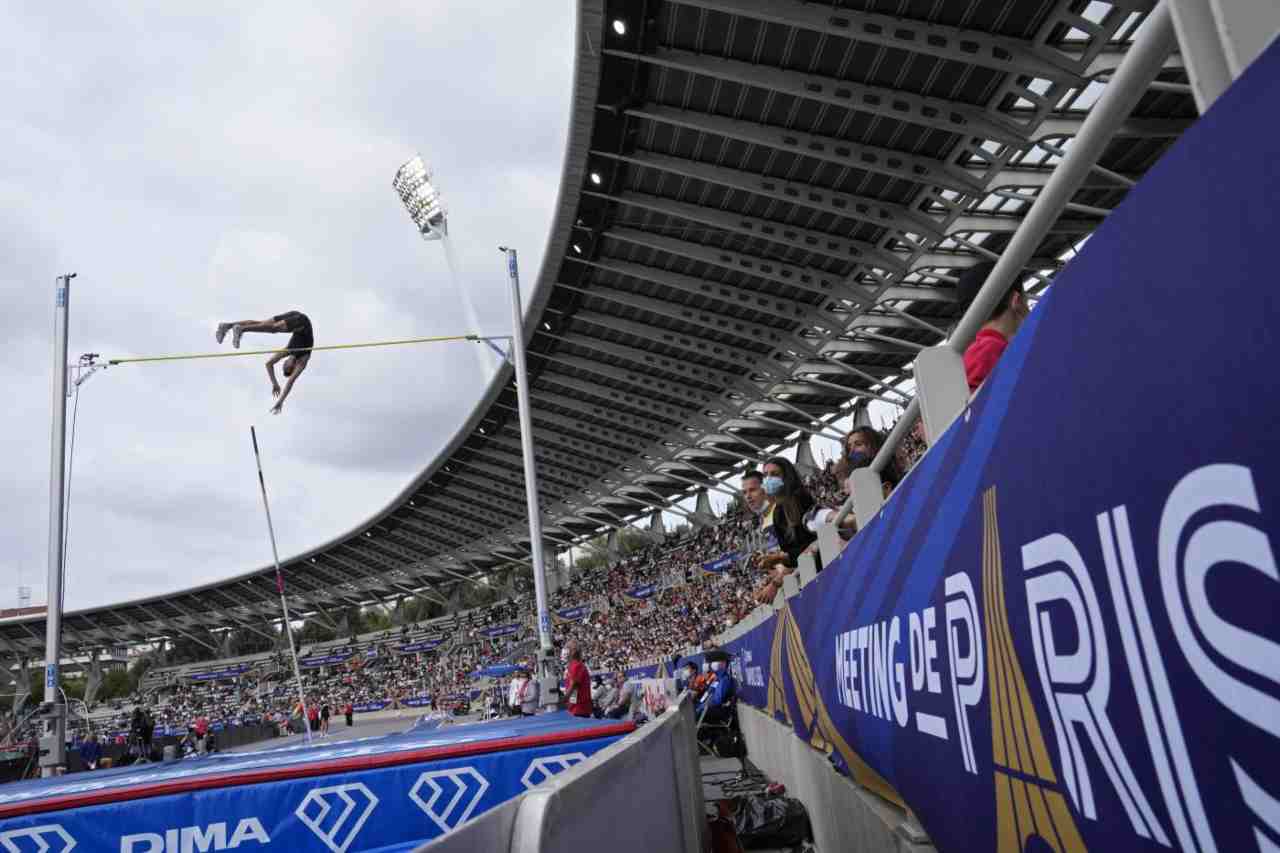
x: 857, y: 457
x: 772, y: 485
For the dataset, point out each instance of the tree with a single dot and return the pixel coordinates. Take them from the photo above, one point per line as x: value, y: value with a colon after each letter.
x: 117, y: 683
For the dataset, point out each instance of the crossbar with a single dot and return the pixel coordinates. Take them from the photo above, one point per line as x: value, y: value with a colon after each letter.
x: 366, y: 345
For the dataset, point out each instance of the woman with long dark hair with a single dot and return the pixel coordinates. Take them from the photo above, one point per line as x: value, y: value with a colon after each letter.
x: 784, y: 524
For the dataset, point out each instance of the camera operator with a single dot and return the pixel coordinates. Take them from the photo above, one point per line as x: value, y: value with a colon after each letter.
x: 141, y: 728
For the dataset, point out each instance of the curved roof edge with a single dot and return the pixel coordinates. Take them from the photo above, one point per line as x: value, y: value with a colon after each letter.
x: 582, y: 109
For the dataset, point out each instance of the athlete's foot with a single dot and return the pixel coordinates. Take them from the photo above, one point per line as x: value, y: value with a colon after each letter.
x: 222, y: 331
x: 236, y: 332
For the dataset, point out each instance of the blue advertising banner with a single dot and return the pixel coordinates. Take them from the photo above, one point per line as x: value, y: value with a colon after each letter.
x: 640, y: 593
x: 501, y: 630
x: 496, y: 671
x: 573, y: 614
x: 1060, y: 632
x: 418, y: 646
x: 655, y: 670
x: 230, y: 672
x: 362, y: 795
x: 325, y: 660
x: 721, y: 564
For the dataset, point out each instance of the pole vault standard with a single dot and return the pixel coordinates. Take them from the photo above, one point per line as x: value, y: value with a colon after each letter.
x: 284, y: 604
x: 53, y: 743
x: 547, y: 676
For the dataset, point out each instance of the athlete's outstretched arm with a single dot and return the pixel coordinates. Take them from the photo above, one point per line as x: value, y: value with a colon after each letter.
x: 271, y: 371
x: 299, y: 366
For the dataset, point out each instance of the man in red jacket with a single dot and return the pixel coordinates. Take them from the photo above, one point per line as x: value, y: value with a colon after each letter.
x: 577, y: 681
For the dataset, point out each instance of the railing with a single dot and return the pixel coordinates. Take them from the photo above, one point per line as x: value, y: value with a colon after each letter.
x: 942, y: 390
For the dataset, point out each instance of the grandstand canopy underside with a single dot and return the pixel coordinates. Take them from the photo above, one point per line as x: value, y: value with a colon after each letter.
x: 764, y: 208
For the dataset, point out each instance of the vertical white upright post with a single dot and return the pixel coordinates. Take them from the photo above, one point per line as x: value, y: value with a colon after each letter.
x: 53, y: 742
x: 547, y: 677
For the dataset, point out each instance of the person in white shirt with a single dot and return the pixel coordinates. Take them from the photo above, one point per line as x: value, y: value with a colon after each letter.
x: 523, y: 698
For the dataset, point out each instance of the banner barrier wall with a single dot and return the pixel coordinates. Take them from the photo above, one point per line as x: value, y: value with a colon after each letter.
x: 231, y: 672
x: 1060, y: 632
x: 501, y: 630
x: 720, y: 565
x: 640, y: 593
x: 419, y: 646
x: 573, y: 614
x: 365, y: 794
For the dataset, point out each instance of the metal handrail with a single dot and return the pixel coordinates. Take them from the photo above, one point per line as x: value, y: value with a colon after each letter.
x: 1144, y: 60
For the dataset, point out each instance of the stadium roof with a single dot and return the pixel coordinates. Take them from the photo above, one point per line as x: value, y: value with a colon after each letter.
x: 763, y: 211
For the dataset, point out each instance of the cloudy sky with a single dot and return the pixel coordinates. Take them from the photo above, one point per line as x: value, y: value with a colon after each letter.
x: 196, y: 167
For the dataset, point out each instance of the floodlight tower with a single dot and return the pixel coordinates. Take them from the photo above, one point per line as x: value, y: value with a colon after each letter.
x: 420, y: 197
x: 422, y: 200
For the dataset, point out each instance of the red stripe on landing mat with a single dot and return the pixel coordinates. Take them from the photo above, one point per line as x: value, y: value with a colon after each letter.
x: 304, y: 771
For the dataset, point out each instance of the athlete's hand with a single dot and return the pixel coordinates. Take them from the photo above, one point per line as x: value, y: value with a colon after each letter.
x: 275, y: 410
x: 275, y: 390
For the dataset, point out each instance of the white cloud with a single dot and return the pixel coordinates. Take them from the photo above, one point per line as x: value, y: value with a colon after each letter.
x: 194, y: 166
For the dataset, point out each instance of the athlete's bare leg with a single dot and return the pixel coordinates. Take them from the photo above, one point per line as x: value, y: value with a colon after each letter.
x: 239, y: 327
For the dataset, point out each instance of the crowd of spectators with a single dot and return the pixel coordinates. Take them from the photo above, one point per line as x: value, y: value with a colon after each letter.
x: 648, y: 604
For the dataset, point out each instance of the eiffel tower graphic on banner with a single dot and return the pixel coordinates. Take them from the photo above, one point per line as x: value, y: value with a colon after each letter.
x: 789, y: 663
x: 1028, y: 802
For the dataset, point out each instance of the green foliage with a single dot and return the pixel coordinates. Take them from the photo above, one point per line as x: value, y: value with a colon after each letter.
x: 117, y: 683
x: 596, y: 552
x: 315, y: 631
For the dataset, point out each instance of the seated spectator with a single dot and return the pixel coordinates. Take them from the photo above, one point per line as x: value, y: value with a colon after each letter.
x: 980, y: 357
x: 91, y: 752
x: 722, y: 689
x: 686, y: 676
x: 603, y: 695
x: 625, y: 696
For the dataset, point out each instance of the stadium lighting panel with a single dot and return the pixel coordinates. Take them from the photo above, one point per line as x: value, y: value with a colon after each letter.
x: 620, y: 27
x: 420, y: 197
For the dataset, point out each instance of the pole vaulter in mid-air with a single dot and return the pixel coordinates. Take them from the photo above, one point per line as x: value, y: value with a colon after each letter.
x: 296, y: 354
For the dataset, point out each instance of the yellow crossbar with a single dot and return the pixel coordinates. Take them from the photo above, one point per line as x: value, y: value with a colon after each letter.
x: 235, y: 353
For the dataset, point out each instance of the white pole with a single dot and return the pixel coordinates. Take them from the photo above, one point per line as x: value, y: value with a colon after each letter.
x: 53, y: 744
x: 548, y: 678
x: 284, y: 605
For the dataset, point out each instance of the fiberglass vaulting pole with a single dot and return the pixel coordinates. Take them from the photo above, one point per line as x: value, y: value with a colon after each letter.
x: 53, y: 743
x: 546, y: 677
x: 284, y: 604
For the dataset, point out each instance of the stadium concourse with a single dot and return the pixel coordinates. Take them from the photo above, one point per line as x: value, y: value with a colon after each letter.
x: 779, y: 222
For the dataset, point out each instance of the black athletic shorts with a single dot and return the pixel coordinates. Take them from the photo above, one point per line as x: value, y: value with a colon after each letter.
x: 300, y: 325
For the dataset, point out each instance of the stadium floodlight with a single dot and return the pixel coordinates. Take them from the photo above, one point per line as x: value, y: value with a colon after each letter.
x: 420, y: 197
x: 620, y: 26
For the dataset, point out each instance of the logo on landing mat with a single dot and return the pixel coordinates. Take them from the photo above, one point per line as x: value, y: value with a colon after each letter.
x: 463, y: 786
x: 336, y: 814
x: 48, y: 838
x: 542, y: 769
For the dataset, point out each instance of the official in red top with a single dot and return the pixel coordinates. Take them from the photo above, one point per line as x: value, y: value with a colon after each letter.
x: 577, y: 681
x: 980, y: 357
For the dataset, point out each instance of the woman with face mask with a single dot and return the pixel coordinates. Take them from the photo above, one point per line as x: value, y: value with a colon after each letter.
x: 784, y: 523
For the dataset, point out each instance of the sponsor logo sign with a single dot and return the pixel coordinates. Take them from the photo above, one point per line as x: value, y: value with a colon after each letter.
x: 449, y: 797
x: 336, y: 814
x: 46, y: 838
x: 542, y: 769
